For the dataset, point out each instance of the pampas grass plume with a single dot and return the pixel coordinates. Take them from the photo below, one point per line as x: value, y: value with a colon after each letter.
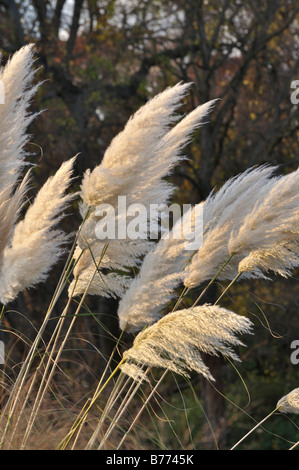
x: 16, y: 76
x: 224, y: 212
x: 290, y: 402
x: 176, y: 340
x: 148, y: 147
x: 37, y: 243
x: 160, y: 274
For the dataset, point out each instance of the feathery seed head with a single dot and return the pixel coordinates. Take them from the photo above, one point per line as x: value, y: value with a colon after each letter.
x: 36, y: 244
x: 176, y: 340
x: 160, y: 274
x: 131, y: 149
x: 223, y: 215
x: 16, y: 76
x: 290, y: 402
x: 149, y: 146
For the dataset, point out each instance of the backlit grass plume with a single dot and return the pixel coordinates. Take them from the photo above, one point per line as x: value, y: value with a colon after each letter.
x: 16, y: 77
x: 29, y: 247
x: 282, y: 259
x: 223, y: 215
x: 273, y: 219
x: 259, y: 229
x: 276, y: 222
x: 148, y: 147
x: 176, y: 341
x: 36, y: 243
x: 160, y: 274
x: 290, y: 402
x: 142, y: 148
x: 10, y: 208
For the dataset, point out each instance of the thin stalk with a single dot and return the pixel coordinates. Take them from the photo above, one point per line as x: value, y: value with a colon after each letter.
x: 97, y: 391
x: 255, y: 427
x: 120, y: 412
x: 227, y: 288
x: 105, y: 413
x: 113, y: 397
x: 294, y: 446
x: 212, y: 280
x: 18, y: 385
x: 183, y: 293
x: 42, y: 391
x: 55, y: 334
x: 2, y: 313
x: 142, y: 408
x: 81, y: 425
x: 25, y: 401
x: 62, y: 445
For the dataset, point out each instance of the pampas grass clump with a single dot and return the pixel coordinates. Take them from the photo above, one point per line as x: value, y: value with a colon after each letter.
x: 250, y: 227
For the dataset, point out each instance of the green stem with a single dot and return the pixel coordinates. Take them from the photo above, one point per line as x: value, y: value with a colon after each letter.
x: 2, y: 313
x: 184, y: 292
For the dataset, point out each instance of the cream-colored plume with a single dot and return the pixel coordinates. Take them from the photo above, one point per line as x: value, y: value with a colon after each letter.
x: 144, y: 152
x: 176, y: 340
x: 30, y: 247
x: 10, y: 208
x: 273, y: 219
x: 36, y: 244
x: 133, y: 166
x: 282, y: 259
x: 224, y: 213
x: 260, y: 229
x: 160, y: 273
x: 16, y: 78
x: 290, y: 402
x: 275, y: 222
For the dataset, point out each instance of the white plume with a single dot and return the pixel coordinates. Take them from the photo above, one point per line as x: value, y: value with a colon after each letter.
x: 36, y: 243
x: 133, y: 166
x: 224, y: 213
x: 16, y: 77
x: 176, y: 340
